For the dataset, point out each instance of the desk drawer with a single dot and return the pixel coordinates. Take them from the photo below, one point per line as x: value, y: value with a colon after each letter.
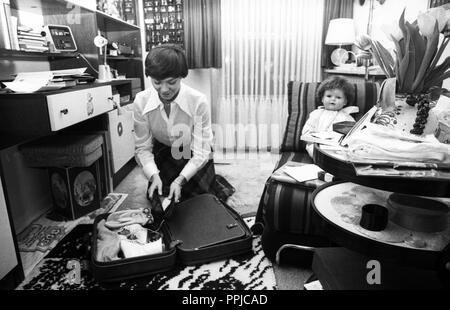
x: 66, y: 109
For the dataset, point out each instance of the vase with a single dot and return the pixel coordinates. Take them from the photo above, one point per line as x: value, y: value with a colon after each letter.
x: 415, y: 114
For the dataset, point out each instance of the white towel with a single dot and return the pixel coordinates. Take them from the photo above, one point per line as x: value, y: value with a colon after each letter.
x: 382, y: 143
x: 132, y: 248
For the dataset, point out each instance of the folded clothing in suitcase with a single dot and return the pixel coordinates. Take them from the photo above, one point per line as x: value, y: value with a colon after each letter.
x: 198, y: 230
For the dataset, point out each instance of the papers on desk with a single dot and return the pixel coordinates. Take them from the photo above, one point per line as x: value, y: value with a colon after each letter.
x: 30, y: 82
x: 303, y: 173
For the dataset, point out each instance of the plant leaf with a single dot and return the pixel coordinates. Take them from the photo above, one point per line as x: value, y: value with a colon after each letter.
x: 445, y: 92
x: 439, y: 70
x: 398, y: 48
x: 438, y: 54
x: 410, y: 72
x: 387, y: 59
x: 404, y: 64
x: 401, y: 23
x: 438, y: 81
x: 429, y: 54
x: 382, y: 61
x: 419, y: 45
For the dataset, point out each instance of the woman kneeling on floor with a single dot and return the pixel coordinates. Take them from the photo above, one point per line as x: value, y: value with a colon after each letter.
x: 172, y: 129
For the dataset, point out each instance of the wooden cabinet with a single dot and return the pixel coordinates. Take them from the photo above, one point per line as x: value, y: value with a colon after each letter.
x: 356, y: 74
x: 26, y: 193
x: 122, y: 139
x: 10, y: 267
x: 47, y: 112
x: 67, y: 109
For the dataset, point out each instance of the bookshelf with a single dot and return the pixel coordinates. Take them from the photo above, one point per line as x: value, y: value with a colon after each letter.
x: 113, y: 23
x: 25, y: 54
x: 86, y: 21
x: 119, y: 11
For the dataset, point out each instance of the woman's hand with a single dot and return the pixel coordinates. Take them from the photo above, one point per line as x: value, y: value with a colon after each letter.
x: 175, y: 188
x: 156, y: 184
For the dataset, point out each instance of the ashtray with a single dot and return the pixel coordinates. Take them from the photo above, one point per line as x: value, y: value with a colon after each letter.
x: 374, y: 217
x: 418, y: 213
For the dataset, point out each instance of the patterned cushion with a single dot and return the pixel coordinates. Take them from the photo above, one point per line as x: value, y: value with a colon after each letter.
x: 302, y: 101
x: 286, y: 207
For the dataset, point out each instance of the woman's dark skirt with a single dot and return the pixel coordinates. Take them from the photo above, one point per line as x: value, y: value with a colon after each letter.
x: 204, y: 181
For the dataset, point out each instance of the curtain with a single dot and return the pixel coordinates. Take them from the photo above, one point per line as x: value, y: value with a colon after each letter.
x: 333, y: 9
x: 265, y: 44
x: 202, y: 33
x: 436, y: 3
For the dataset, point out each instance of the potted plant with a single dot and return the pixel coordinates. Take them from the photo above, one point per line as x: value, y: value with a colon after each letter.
x: 417, y: 65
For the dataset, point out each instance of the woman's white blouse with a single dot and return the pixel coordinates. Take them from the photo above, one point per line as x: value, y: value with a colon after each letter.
x: 189, y: 124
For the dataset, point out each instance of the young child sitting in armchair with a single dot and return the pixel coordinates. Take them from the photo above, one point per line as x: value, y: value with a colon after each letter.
x: 334, y: 93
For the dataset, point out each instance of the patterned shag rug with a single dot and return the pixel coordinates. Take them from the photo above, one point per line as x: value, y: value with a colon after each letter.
x: 247, y: 172
x: 38, y: 239
x: 252, y: 271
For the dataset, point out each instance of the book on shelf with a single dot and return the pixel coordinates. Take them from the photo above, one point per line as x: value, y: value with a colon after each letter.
x: 14, y: 37
x: 31, y: 42
x: 33, y: 48
x: 33, y: 34
x: 24, y: 28
x: 34, y: 38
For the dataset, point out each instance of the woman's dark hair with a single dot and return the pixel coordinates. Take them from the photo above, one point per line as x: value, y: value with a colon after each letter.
x: 337, y: 82
x: 166, y: 61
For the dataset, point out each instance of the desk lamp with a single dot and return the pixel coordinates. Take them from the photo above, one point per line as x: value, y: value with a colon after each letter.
x: 104, y: 74
x: 341, y: 31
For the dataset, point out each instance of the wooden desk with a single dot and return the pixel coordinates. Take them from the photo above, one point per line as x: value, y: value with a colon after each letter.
x: 25, y: 117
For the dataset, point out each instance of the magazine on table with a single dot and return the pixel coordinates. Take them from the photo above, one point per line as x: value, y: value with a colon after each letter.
x: 401, y: 172
x: 297, y: 172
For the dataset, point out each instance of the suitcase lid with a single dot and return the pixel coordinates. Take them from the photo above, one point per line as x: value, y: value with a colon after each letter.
x: 203, y: 221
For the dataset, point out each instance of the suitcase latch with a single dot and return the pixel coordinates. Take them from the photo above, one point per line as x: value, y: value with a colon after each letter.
x: 230, y: 226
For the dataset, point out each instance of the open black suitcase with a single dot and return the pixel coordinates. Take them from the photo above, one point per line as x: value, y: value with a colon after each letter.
x: 201, y: 229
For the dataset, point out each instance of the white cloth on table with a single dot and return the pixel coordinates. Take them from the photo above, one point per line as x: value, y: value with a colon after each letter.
x: 378, y: 142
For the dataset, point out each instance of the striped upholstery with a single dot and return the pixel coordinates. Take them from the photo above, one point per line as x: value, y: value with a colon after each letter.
x: 282, y: 205
x: 285, y: 212
x: 302, y: 101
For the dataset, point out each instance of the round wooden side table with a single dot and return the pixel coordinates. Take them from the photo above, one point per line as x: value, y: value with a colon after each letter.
x: 338, y: 208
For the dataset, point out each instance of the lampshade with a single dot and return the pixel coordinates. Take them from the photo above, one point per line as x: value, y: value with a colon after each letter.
x: 341, y: 31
